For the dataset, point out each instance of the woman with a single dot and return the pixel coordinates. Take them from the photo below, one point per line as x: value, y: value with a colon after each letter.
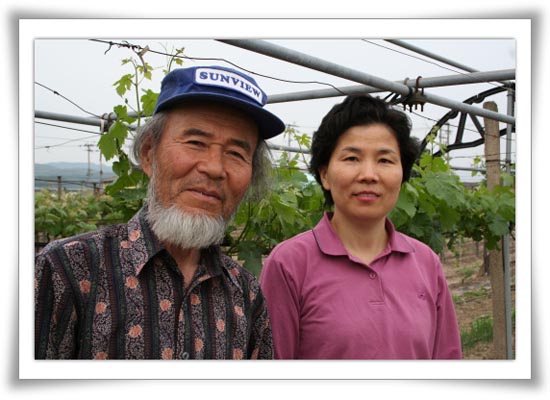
x: 353, y: 287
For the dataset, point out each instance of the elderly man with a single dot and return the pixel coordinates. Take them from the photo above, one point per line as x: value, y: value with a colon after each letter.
x: 159, y: 286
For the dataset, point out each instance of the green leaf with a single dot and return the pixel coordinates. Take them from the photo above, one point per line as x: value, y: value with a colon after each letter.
x: 250, y: 253
x: 406, y: 202
x: 122, y: 182
x: 289, y: 198
x: 124, y: 84
x: 108, y: 146
x: 121, y: 167
x: 121, y: 111
x: 111, y: 142
x: 438, y: 165
x: 148, y: 74
x: 118, y: 131
x: 498, y: 226
x: 444, y: 186
x: 449, y: 216
x: 148, y: 101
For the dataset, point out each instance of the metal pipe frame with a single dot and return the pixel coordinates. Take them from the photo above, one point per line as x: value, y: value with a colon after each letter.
x: 439, y: 81
x: 305, y: 60
x: 92, y: 121
x: 437, y: 57
x: 427, y: 53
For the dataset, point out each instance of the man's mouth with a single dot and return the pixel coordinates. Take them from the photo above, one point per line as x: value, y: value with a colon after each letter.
x: 212, y: 194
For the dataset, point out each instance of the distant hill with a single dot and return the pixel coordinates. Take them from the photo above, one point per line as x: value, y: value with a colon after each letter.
x: 73, y: 174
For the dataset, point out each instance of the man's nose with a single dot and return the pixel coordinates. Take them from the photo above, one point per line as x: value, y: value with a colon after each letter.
x: 212, y: 164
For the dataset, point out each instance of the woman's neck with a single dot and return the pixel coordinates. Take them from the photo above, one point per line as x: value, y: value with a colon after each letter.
x: 362, y: 239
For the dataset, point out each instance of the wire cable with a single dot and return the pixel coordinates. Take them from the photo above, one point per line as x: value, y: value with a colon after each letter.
x: 428, y: 61
x: 135, y: 48
x: 67, y: 127
x: 67, y: 99
x: 64, y: 143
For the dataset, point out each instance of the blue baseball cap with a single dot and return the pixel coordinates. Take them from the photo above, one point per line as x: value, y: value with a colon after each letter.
x: 223, y: 85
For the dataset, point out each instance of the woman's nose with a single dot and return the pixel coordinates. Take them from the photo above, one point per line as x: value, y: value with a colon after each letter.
x: 368, y: 171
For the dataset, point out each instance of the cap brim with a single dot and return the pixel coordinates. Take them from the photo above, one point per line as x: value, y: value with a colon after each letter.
x: 269, y: 125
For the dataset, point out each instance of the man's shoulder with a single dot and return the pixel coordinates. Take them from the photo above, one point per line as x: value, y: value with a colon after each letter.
x: 238, y: 272
x: 84, y: 240
x: 234, y: 268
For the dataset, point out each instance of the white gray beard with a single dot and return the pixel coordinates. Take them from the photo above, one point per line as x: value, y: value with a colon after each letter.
x: 180, y: 228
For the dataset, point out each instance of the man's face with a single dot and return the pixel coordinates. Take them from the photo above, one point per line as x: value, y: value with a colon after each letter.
x: 204, y: 159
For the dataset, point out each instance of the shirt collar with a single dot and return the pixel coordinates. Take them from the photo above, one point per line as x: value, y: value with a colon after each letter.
x: 140, y: 241
x: 143, y: 242
x: 330, y: 244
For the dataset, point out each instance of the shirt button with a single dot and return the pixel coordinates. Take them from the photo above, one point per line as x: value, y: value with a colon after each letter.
x: 372, y: 275
x: 185, y: 355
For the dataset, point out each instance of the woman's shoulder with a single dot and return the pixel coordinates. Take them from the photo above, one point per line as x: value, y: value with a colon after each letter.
x: 417, y: 246
x: 295, y: 245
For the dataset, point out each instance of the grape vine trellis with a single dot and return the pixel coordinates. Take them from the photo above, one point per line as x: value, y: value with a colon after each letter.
x: 434, y: 206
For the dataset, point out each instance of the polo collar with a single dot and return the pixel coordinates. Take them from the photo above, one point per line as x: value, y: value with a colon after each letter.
x: 330, y: 243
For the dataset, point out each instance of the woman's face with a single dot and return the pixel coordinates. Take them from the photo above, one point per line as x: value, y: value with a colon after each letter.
x: 364, y: 173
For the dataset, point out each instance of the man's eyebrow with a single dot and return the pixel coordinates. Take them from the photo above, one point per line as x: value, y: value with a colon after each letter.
x: 199, y: 132
x: 243, y: 144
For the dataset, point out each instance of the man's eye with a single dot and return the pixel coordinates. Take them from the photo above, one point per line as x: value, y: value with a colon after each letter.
x: 237, y: 154
x: 195, y: 143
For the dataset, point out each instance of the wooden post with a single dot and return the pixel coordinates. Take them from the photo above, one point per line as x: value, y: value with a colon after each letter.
x: 59, y: 188
x: 496, y: 263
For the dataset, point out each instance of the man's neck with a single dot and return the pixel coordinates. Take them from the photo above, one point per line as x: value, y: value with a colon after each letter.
x: 187, y: 260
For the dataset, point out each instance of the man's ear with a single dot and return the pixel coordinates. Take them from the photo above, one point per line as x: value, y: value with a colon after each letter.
x: 146, y: 155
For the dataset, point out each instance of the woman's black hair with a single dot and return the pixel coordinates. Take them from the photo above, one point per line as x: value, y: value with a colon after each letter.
x: 360, y: 110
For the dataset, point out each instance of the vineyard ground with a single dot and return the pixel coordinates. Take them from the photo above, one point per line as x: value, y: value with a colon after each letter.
x: 472, y: 287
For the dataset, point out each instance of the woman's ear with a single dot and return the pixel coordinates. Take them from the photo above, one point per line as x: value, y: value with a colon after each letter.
x: 324, y: 180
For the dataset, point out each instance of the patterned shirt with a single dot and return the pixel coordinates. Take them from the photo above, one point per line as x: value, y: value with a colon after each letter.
x: 116, y: 293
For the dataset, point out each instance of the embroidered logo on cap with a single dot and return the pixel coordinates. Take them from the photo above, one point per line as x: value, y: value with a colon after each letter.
x: 228, y: 80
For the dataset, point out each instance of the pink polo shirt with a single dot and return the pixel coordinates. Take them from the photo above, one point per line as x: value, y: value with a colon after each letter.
x: 326, y: 304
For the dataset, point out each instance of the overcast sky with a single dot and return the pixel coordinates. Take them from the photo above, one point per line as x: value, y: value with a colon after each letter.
x: 84, y: 71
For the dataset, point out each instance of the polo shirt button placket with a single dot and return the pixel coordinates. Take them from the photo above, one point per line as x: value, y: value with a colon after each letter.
x: 377, y: 293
